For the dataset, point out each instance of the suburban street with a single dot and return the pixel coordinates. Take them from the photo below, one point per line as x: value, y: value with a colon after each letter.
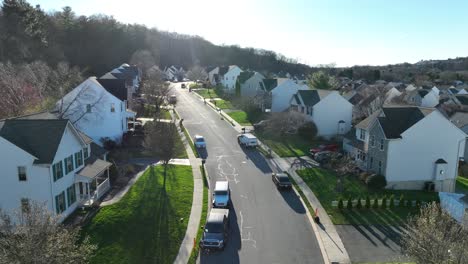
x: 266, y: 226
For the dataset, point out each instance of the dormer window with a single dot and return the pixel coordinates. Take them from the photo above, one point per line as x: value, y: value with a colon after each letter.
x: 362, y: 134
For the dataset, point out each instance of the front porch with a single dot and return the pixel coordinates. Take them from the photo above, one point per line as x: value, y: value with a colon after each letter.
x: 93, y: 182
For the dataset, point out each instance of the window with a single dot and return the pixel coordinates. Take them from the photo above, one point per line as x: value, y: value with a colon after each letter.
x: 371, y: 162
x: 380, y: 167
x: 60, y: 205
x: 22, y: 173
x: 362, y: 134
x: 79, y: 158
x: 85, y: 152
x: 372, y: 141
x: 71, y: 195
x: 69, y: 164
x: 121, y: 106
x: 57, y: 170
x: 88, y: 108
x: 24, y: 205
x: 381, y: 144
x: 112, y: 107
x: 361, y: 155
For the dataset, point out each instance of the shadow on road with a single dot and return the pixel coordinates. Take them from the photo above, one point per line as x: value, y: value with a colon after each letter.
x: 293, y: 201
x: 257, y: 159
x: 230, y: 254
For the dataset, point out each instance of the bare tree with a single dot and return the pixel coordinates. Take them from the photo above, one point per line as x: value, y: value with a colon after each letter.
x: 342, y: 166
x: 285, y: 122
x: 37, y: 237
x: 155, y: 89
x: 143, y: 58
x: 197, y: 73
x: 434, y: 237
x: 82, y: 103
x: 161, y: 139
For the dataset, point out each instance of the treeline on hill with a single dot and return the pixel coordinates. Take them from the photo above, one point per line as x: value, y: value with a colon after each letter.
x: 99, y: 43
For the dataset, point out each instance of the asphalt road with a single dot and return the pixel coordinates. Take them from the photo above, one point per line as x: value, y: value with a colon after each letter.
x: 266, y: 225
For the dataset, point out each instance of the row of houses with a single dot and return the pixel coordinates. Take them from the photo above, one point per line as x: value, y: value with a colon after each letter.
x: 330, y: 111
x: 56, y: 157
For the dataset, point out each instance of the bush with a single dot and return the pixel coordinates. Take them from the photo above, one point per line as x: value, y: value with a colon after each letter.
x: 368, y: 205
x: 384, y: 202
x: 376, y: 182
x: 108, y: 143
x: 359, y: 203
x: 350, y: 204
x: 392, y: 201
x: 401, y: 201
x: 340, y: 204
x: 307, y: 130
x: 418, y: 203
x: 376, y: 203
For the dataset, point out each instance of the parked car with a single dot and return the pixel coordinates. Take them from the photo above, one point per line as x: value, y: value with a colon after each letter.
x: 329, y: 147
x: 173, y: 99
x: 216, y: 230
x: 221, y: 195
x: 247, y: 140
x: 183, y: 85
x: 260, y: 125
x: 281, y: 180
x: 200, y: 142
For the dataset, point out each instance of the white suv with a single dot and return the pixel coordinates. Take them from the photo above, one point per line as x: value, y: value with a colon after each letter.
x: 247, y: 140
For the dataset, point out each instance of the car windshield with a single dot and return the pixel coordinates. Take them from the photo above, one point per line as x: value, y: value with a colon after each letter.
x: 283, y: 179
x: 200, y: 140
x: 220, y: 192
x: 213, y: 228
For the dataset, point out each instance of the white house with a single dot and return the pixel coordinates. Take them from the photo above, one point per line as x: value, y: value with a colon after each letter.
x: 249, y: 83
x: 330, y: 112
x: 49, y: 161
x: 281, y: 94
x: 229, y: 78
x: 95, y: 111
x: 423, y: 97
x: 413, y: 146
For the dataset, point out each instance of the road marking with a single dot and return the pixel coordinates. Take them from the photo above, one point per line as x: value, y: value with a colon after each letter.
x: 249, y: 235
x: 229, y: 173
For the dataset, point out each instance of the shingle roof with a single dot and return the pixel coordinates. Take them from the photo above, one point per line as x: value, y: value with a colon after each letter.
x: 463, y: 99
x: 94, y: 169
x: 422, y: 92
x: 38, y: 137
x: 244, y: 76
x: 270, y: 84
x: 312, y: 97
x: 368, y: 121
x: 97, y: 152
x: 398, y: 119
x: 460, y: 119
x: 223, y: 70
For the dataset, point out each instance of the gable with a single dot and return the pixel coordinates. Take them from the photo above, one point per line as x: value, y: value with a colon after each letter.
x: 70, y: 142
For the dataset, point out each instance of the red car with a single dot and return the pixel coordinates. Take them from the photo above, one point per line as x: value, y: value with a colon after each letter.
x: 330, y: 147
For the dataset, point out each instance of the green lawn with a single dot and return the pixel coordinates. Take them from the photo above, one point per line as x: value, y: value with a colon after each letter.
x: 462, y: 184
x: 148, y: 224
x: 223, y: 104
x: 289, y: 145
x: 247, y: 118
x: 323, y: 184
x: 207, y: 93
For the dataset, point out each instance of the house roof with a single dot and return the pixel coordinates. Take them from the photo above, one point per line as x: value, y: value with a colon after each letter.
x: 296, y: 98
x: 270, y: 84
x: 453, y: 90
x: 441, y: 161
x: 94, y: 169
x: 460, y: 119
x: 85, y: 137
x: 312, y: 97
x: 115, y: 86
x: 356, y: 99
x: 462, y: 99
x: 97, y: 152
x: 397, y: 120
x: 223, y: 70
x: 40, y: 115
x: 422, y: 92
x: 38, y: 137
x: 244, y: 76
x: 368, y: 121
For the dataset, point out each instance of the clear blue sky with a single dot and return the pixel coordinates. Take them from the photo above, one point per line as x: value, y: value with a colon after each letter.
x: 345, y: 32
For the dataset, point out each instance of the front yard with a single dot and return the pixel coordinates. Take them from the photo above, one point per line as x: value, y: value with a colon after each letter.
x: 207, y: 93
x: 290, y: 145
x: 148, y: 224
x: 323, y: 183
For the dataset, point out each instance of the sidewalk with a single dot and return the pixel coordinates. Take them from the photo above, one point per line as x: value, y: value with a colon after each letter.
x: 333, y: 248
x: 195, y: 213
